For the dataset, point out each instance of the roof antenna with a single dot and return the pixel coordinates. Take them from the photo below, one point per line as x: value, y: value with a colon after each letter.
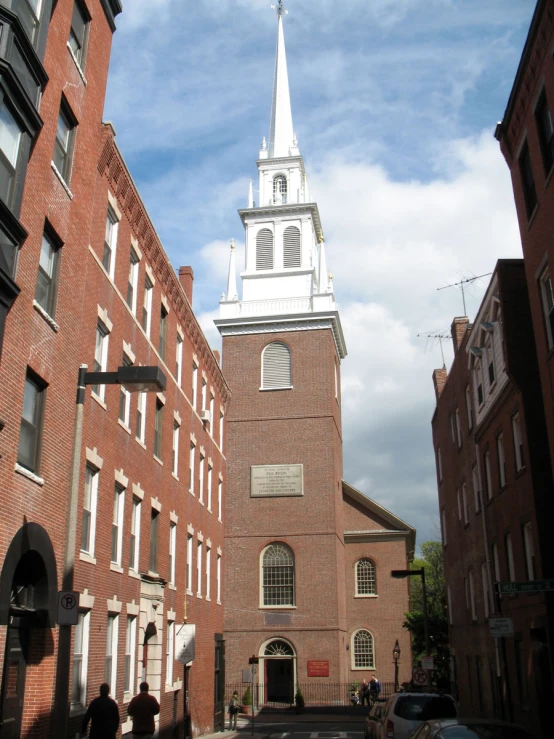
x: 461, y: 285
x: 440, y: 337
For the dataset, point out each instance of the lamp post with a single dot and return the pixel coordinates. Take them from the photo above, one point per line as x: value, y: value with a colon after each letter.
x: 133, y: 379
x: 400, y: 575
x: 396, y: 657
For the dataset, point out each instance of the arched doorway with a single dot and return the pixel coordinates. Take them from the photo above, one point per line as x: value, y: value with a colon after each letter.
x: 28, y: 590
x: 279, y: 671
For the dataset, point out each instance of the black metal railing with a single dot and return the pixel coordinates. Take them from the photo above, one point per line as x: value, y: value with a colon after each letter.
x: 315, y: 694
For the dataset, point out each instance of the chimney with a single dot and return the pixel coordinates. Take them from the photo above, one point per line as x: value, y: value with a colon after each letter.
x: 439, y: 381
x: 458, y: 329
x: 217, y: 356
x: 186, y: 278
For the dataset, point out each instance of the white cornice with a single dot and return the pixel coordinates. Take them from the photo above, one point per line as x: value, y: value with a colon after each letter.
x: 281, y: 210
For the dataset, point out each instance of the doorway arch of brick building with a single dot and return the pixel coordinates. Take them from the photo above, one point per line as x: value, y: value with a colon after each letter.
x: 277, y: 675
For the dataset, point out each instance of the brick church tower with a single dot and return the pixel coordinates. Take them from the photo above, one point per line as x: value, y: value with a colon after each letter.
x: 282, y: 348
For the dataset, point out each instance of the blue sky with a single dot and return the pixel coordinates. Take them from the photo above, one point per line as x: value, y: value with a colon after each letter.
x: 394, y: 105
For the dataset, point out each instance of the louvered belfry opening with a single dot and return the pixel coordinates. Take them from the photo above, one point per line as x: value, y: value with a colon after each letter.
x: 264, y: 249
x: 292, y: 254
x: 276, y: 366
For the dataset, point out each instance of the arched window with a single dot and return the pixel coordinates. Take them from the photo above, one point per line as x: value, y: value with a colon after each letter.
x: 292, y: 255
x: 264, y: 249
x: 366, y: 583
x: 363, y: 652
x: 276, y: 366
x: 279, y: 648
x: 280, y: 190
x: 278, y: 575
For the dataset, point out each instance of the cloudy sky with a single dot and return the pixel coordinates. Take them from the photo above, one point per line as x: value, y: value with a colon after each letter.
x: 394, y: 105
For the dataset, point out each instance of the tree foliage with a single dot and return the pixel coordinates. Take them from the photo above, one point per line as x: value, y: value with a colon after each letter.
x: 437, y: 609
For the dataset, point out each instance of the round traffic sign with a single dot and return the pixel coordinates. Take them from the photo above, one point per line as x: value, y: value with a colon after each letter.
x: 68, y: 601
x: 419, y: 677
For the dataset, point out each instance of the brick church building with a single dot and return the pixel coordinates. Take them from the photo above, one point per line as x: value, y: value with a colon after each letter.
x: 308, y: 558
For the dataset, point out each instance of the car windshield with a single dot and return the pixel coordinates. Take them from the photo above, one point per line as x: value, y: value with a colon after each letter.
x: 425, y: 707
x: 483, y: 731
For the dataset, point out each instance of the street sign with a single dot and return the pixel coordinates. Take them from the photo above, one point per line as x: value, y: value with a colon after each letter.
x: 419, y: 677
x: 427, y: 663
x: 185, y: 643
x: 68, y: 608
x: 501, y: 626
x: 529, y: 586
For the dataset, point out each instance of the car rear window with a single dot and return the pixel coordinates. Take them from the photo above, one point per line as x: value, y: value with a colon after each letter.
x: 425, y: 707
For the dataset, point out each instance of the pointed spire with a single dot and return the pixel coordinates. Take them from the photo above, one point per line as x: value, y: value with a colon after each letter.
x: 232, y: 279
x: 281, y: 133
x: 323, y: 278
x: 250, y: 195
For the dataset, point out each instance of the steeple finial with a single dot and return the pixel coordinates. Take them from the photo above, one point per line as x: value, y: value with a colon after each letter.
x: 280, y: 8
x: 281, y: 133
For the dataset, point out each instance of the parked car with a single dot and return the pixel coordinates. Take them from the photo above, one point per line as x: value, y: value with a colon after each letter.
x: 471, y: 728
x: 372, y: 719
x: 405, y: 712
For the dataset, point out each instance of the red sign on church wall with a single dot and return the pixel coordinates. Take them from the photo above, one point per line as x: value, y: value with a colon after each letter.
x: 318, y: 668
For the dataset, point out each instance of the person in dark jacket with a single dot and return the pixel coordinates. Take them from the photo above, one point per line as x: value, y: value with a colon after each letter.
x: 142, y: 710
x: 103, y: 714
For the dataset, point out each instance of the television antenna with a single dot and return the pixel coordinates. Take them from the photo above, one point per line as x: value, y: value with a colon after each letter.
x: 461, y: 285
x: 440, y: 337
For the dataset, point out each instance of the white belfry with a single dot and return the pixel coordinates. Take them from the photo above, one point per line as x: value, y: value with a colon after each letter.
x: 285, y: 282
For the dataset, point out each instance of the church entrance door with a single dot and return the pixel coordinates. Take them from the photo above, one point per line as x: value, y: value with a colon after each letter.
x: 280, y: 683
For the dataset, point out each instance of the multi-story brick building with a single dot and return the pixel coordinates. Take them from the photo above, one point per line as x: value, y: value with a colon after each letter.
x: 96, y: 287
x: 493, y: 474
x: 308, y: 558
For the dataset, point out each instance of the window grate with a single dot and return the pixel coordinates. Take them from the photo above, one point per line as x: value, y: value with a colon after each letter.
x: 276, y: 366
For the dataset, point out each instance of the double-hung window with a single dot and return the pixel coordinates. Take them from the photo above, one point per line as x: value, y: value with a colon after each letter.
x: 100, y: 357
x: 204, y: 391
x: 90, y: 500
x: 175, y: 450
x: 210, y: 476
x: 488, y: 475
x: 158, y: 425
x: 172, y: 552
x: 125, y: 397
x: 162, y: 344
x: 489, y: 348
x: 32, y: 418
x: 194, y: 384
x: 208, y: 572
x: 501, y: 460
x: 10, y: 145
x: 189, y: 563
x: 47, y: 280
x: 29, y: 13
x: 192, y: 455
x: 219, y: 499
x: 112, y: 631
x: 132, y: 282
x: 110, y: 242
x: 546, y: 132
x: 147, y: 305
x: 179, y: 360
x: 527, y: 180
x: 117, y: 524
x: 141, y: 417
x: 201, y: 479
x: 199, y: 548
x: 485, y: 580
x: 218, y: 579
x: 221, y: 427
x: 169, y: 655
x: 518, y: 442
x: 134, y: 541
x: 469, y: 409
x: 65, y: 138
x: 79, y: 32
x: 529, y: 550
x: 130, y: 654
x: 154, y: 524
x: 475, y: 482
x: 547, y: 299
x: 80, y: 660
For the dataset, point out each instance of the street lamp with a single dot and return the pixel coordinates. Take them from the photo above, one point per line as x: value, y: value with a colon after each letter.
x: 400, y: 575
x: 133, y: 379
x: 396, y: 657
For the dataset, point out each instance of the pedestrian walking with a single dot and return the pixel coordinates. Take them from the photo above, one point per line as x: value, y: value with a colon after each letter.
x: 374, y: 690
x: 142, y: 709
x: 364, y: 693
x: 103, y: 715
x: 233, y: 711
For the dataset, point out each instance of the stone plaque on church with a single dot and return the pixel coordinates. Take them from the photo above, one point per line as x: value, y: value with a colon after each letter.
x: 276, y: 480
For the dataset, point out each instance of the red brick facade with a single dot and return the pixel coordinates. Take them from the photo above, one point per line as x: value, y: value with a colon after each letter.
x: 117, y: 449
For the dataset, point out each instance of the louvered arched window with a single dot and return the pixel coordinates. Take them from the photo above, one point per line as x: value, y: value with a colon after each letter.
x: 280, y: 190
x: 278, y: 575
x: 276, y: 366
x: 264, y: 249
x: 292, y: 255
x: 366, y: 582
x: 363, y: 650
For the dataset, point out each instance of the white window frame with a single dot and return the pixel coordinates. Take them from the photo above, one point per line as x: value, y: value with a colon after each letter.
x: 363, y: 566
x: 210, y: 480
x: 135, y: 535
x: 219, y: 499
x: 510, y: 557
x: 518, y: 442
x: 134, y: 261
x: 501, y: 460
x: 126, y: 420
x: 218, y: 579
x: 130, y: 655
x: 189, y: 563
x: 479, y: 383
x: 192, y: 454
x: 172, y: 552
x: 208, y: 572
x: 212, y: 407
x: 287, y: 583
x: 489, y: 349
x: 101, y: 356
x: 199, y: 555
x: 221, y: 429
x: 141, y: 418
x: 175, y: 448
x: 201, y: 479
x: 110, y: 240
x: 84, y: 626
x: 529, y: 550
x: 194, y: 384
x: 179, y: 360
x: 475, y: 483
x: 112, y: 644
x: 117, y: 522
x: 204, y: 394
x: 92, y: 476
x: 472, y: 596
x: 147, y: 305
x: 369, y: 663
x: 169, y: 653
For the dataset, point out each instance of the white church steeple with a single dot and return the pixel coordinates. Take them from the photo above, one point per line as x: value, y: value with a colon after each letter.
x: 285, y: 277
